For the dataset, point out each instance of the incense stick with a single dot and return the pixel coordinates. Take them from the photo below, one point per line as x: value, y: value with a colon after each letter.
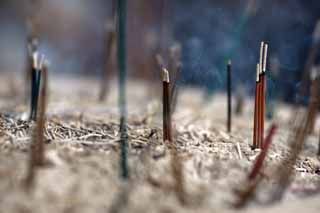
x: 262, y: 97
x: 229, y: 96
x: 256, y: 110
x: 167, y: 136
x: 121, y: 50
x: 35, y: 84
x: 259, y: 162
x: 37, y: 148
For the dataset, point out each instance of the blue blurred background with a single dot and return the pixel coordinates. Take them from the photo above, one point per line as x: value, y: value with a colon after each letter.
x: 72, y: 34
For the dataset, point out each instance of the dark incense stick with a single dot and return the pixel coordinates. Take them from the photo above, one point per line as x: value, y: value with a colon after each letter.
x: 37, y: 147
x: 35, y: 84
x: 167, y: 136
x: 121, y: 22
x: 229, y: 95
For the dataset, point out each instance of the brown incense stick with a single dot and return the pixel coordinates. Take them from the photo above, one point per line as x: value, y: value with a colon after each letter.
x: 254, y: 179
x: 256, y: 111
x: 167, y: 136
x: 262, y: 97
x: 259, y: 162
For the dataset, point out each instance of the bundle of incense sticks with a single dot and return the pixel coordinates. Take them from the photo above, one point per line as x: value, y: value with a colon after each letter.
x: 37, y: 66
x: 258, y: 129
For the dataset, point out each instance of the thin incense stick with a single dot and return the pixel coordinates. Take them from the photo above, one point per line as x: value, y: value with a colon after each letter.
x: 121, y: 41
x: 37, y: 154
x: 167, y: 136
x: 263, y: 87
x: 256, y: 111
x: 35, y: 84
x: 229, y: 95
x: 259, y: 162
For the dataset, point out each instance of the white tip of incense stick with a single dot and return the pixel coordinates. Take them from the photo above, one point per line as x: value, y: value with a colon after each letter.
x: 258, y: 72
x: 316, y: 32
x: 165, y: 75
x: 261, y: 55
x: 265, y: 57
x: 229, y: 62
x: 35, y: 59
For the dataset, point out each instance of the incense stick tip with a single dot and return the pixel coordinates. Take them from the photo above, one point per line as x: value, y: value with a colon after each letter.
x: 258, y: 73
x: 165, y: 75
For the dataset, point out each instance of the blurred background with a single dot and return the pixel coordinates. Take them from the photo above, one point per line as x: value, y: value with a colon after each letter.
x: 73, y: 34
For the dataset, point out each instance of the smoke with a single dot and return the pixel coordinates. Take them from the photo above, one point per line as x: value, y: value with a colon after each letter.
x: 213, y: 31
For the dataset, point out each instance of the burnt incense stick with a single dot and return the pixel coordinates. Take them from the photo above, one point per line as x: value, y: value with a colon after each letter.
x: 121, y: 50
x: 229, y: 96
x: 37, y: 148
x: 256, y: 111
x: 262, y: 97
x: 260, y: 159
x: 167, y: 136
x: 35, y: 84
